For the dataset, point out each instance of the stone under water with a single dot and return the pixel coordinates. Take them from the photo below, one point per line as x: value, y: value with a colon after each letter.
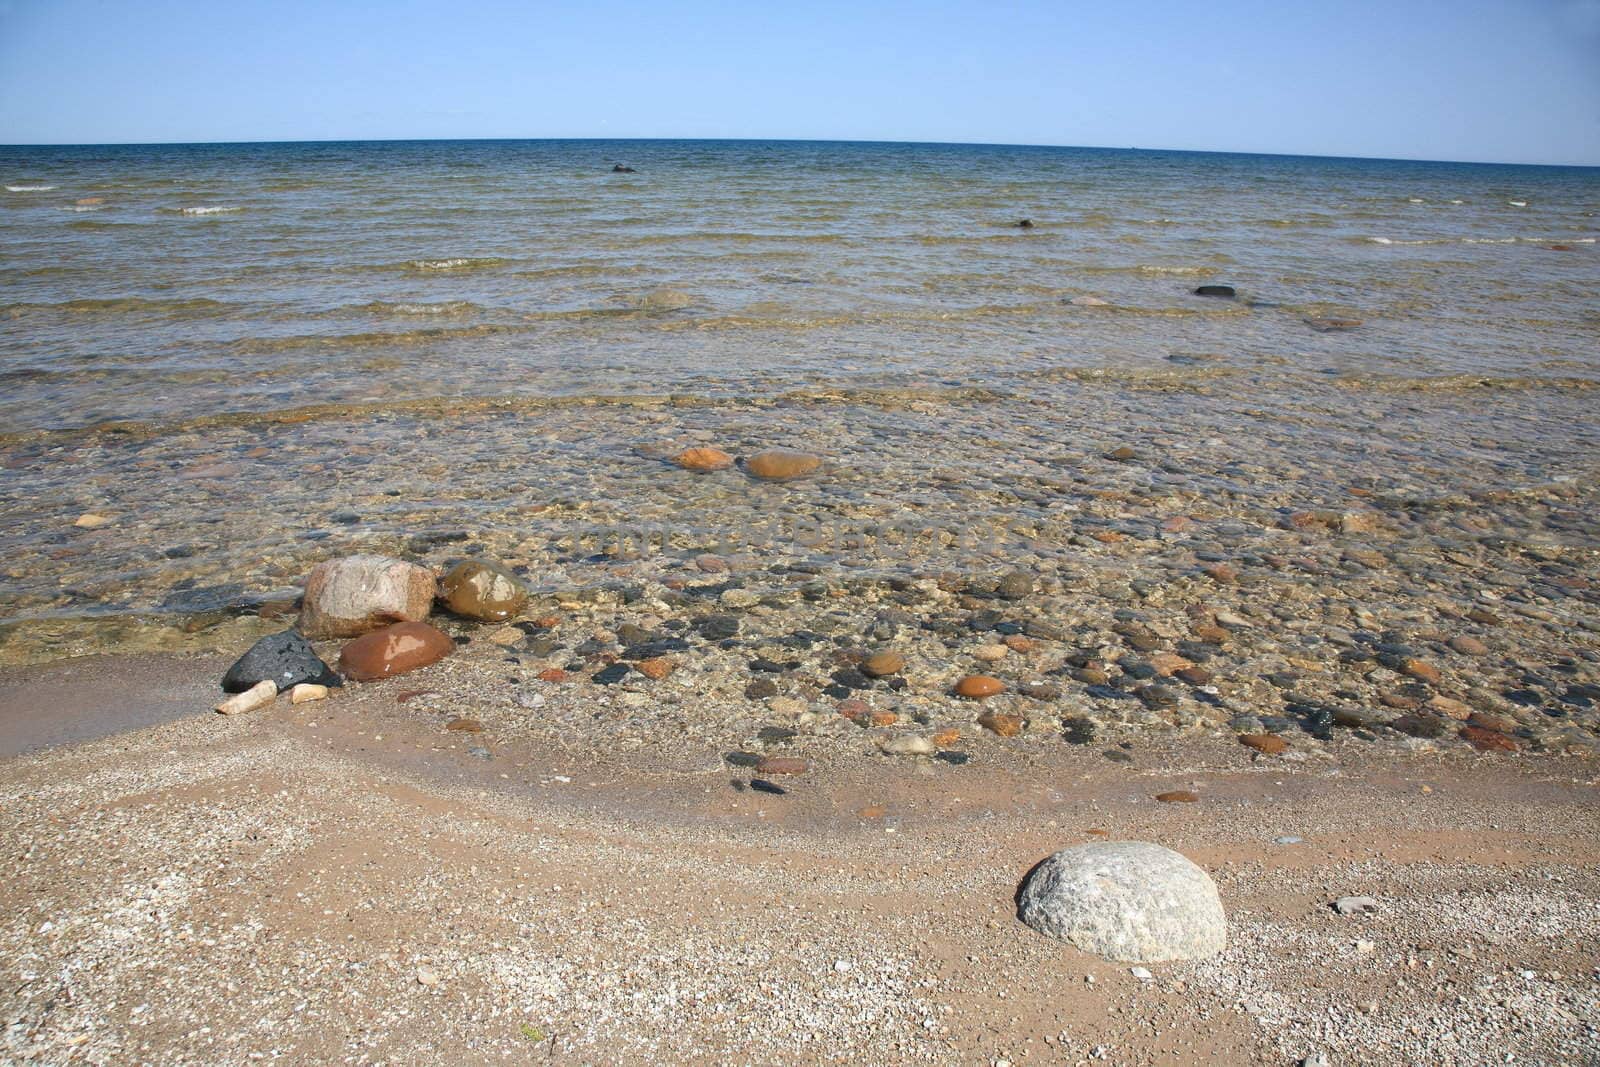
x: 479, y: 589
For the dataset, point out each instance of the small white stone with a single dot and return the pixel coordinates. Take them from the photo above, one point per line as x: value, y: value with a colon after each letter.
x: 427, y: 976
x: 841, y: 965
x: 1141, y: 973
x: 1354, y: 905
x: 257, y: 696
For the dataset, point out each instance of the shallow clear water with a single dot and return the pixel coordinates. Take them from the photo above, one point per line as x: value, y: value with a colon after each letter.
x: 252, y: 357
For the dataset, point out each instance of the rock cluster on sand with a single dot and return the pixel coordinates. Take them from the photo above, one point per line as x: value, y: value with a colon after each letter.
x: 1131, y: 901
x: 404, y: 646
x: 285, y: 659
x: 350, y: 596
x: 477, y: 589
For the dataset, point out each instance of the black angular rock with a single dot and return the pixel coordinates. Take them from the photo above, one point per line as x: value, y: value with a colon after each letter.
x: 286, y: 659
x: 612, y: 675
x: 1224, y: 291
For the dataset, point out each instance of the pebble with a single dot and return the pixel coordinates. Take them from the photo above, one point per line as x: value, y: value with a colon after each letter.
x: 777, y: 465
x: 1014, y: 585
x: 979, y: 686
x: 991, y: 653
x: 464, y: 726
x: 655, y: 668
x: 484, y: 590
x: 396, y: 649
x: 90, y: 521
x: 306, y: 692
x: 1421, y: 670
x: 1469, y: 646
x: 883, y: 664
x: 1269, y: 744
x: 1354, y: 905
x: 1178, y: 796
x: 257, y: 696
x: 907, y: 745
x: 703, y: 459
x: 1487, y: 740
x: 1000, y: 723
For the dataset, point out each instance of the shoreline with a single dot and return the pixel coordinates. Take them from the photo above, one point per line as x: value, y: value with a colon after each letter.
x: 363, y: 882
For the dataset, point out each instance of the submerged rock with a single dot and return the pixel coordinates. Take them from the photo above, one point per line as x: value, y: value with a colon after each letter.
x: 1223, y: 291
x: 356, y: 594
x: 1131, y: 901
x: 393, y: 650
x: 979, y: 686
x: 778, y: 465
x: 703, y: 459
x: 285, y: 659
x: 479, y: 589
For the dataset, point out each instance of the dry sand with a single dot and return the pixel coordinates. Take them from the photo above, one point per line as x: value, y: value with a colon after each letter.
x: 349, y: 882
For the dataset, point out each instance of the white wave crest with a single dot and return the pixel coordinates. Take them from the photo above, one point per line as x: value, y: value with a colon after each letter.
x: 29, y: 188
x: 1517, y: 203
x: 209, y: 209
x: 83, y: 207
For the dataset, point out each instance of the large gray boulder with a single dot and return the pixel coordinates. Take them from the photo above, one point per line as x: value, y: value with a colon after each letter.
x: 1125, y: 900
x: 357, y: 594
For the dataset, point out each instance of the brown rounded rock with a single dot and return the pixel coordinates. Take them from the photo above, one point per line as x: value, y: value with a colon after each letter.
x: 1000, y: 723
x: 1422, y: 671
x: 883, y: 664
x: 979, y: 686
x: 356, y: 594
x: 479, y: 589
x: 1469, y: 646
x: 1270, y: 744
x: 393, y: 650
x: 1177, y: 796
x: 1487, y: 740
x: 782, y: 765
x: 703, y: 459
x: 464, y: 726
x: 777, y: 465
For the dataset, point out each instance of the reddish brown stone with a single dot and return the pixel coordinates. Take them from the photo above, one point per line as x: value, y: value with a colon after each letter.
x: 1484, y: 617
x: 1268, y: 744
x: 1019, y: 643
x: 1195, y: 675
x: 777, y: 465
x: 882, y: 718
x: 393, y: 650
x: 782, y: 765
x: 657, y: 667
x: 883, y: 664
x: 1422, y: 671
x: 1212, y: 634
x: 1169, y: 663
x: 979, y: 686
x: 1487, y: 740
x: 1469, y: 646
x: 1177, y: 796
x: 854, y: 709
x: 553, y: 674
x: 464, y: 726
x: 703, y: 459
x: 1498, y: 723
x: 999, y: 722
x: 1399, y: 701
x: 946, y: 737
x: 410, y: 695
x: 1220, y: 572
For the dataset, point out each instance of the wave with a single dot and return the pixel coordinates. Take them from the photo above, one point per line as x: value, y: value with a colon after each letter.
x: 83, y: 207
x: 29, y: 188
x: 121, y: 305
x: 454, y: 263
x: 1461, y: 383
x: 1476, y: 240
x: 447, y: 307
x: 206, y: 209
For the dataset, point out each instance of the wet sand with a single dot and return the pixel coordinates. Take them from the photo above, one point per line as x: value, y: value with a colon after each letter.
x: 351, y: 881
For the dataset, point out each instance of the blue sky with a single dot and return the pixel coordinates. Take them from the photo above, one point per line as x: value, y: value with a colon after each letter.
x: 1469, y: 79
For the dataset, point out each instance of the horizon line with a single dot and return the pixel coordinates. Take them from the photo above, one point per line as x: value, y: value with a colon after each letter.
x: 791, y: 140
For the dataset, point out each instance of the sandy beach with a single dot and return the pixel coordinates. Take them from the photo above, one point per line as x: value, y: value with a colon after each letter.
x: 355, y: 881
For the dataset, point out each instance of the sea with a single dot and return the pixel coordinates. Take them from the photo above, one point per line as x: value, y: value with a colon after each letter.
x: 246, y: 357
